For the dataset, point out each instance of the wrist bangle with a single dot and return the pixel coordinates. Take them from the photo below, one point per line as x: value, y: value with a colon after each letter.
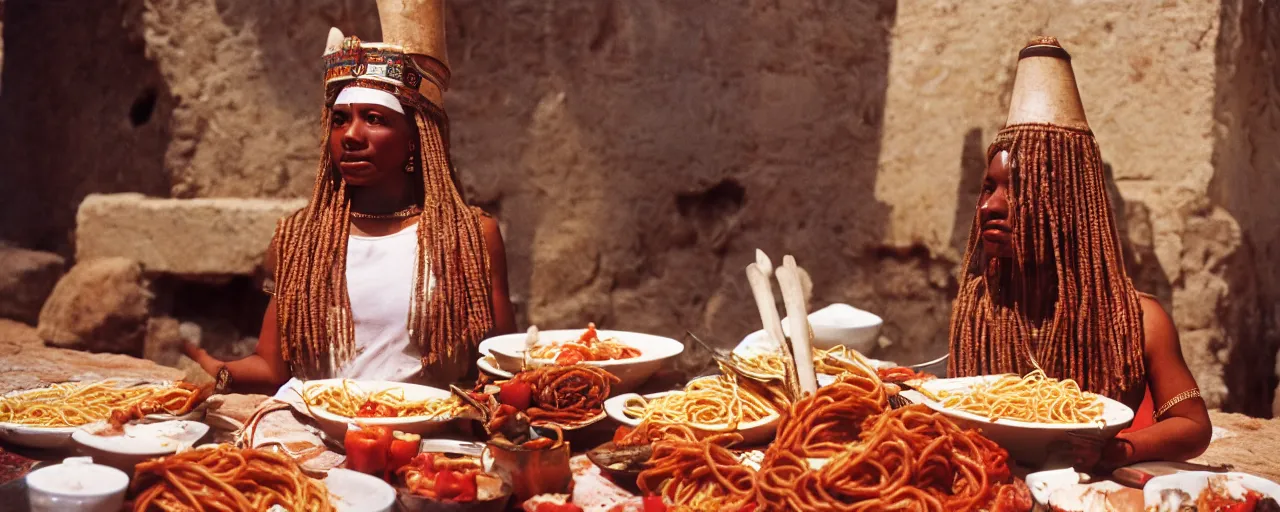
x: 222, y: 381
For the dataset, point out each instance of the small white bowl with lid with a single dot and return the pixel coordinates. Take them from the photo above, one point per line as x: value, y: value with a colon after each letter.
x: 77, y: 485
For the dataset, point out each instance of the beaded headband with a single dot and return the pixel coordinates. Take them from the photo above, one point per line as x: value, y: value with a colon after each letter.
x: 379, y: 66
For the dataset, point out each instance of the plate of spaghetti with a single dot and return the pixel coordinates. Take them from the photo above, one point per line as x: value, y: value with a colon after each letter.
x: 841, y: 448
x: 569, y: 397
x: 46, y: 417
x: 707, y: 405
x: 631, y: 357
x: 1211, y: 492
x: 410, y: 408
x: 223, y: 477
x: 1026, y: 415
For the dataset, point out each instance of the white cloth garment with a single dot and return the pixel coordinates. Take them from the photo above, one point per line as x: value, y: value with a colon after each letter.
x: 380, y: 280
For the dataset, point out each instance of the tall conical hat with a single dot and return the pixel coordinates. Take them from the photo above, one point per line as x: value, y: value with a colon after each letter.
x: 1044, y: 89
x: 411, y: 64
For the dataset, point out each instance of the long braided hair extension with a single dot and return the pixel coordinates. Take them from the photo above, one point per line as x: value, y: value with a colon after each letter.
x: 446, y: 321
x: 1064, y: 234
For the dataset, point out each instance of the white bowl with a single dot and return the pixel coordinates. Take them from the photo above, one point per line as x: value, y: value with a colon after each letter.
x: 139, y: 442
x: 336, y: 425
x: 842, y: 324
x: 352, y: 491
x: 1028, y: 443
x: 77, y: 484
x: 754, y: 432
x: 508, y: 349
x: 1194, y: 482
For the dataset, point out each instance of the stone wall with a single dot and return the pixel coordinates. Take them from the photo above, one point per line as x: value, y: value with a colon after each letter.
x: 638, y: 152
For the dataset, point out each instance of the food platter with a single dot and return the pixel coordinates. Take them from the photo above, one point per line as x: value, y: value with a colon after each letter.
x: 752, y: 432
x: 1169, y: 492
x: 34, y: 436
x: 1066, y: 490
x: 1025, y: 441
x: 336, y: 424
x: 138, y: 442
x: 507, y: 351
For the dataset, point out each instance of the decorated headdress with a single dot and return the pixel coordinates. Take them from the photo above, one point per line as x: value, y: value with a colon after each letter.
x: 451, y: 308
x: 411, y: 64
x: 1064, y: 242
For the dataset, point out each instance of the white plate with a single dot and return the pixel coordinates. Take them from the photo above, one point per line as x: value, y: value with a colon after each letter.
x: 631, y: 372
x: 488, y: 365
x: 1028, y: 443
x: 60, y: 437
x: 351, y: 491
x: 1193, y: 482
x: 752, y: 432
x: 335, y: 424
x: 1063, y: 489
x: 139, y: 442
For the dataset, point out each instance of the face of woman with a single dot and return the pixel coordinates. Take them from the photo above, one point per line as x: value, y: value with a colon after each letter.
x: 370, y: 144
x: 995, y: 219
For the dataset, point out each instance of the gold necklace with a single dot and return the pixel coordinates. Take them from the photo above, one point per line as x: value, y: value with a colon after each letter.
x: 402, y: 214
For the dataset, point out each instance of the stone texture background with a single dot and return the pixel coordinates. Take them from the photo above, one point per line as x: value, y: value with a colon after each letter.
x: 638, y: 152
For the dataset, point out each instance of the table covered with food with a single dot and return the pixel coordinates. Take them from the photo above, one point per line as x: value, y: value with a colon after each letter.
x: 795, y: 418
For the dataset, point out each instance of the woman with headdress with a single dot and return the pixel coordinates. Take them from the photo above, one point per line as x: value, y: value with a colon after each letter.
x: 1044, y: 283
x: 387, y: 273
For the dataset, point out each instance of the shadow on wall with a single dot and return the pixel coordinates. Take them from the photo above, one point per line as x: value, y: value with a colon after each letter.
x: 1246, y: 183
x: 663, y: 142
x: 973, y: 169
x: 83, y: 111
x: 1137, y: 244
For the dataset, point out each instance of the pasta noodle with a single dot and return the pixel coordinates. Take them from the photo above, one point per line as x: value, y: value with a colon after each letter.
x: 75, y: 404
x: 905, y: 459
x: 350, y: 401
x: 835, y: 361
x: 698, y: 475
x: 588, y: 347
x: 567, y: 394
x: 873, y: 459
x: 1035, y: 398
x: 225, y: 478
x: 712, y: 404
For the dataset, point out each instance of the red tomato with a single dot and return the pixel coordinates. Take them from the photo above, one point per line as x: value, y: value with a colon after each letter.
x: 367, y: 449
x: 452, y: 485
x: 516, y: 393
x: 372, y: 409
x: 555, y: 507
x: 621, y: 433
x: 654, y: 504
x: 404, y: 447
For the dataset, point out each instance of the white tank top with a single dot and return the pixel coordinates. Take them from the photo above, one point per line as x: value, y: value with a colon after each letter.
x: 380, y: 280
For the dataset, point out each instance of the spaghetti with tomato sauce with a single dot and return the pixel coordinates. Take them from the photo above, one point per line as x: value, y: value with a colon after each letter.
x: 588, y: 347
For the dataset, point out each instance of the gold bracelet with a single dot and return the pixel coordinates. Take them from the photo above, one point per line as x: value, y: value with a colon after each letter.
x: 1183, y: 396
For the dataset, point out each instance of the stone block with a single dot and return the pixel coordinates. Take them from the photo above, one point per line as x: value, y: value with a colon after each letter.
x: 180, y: 236
x: 101, y: 305
x: 26, y: 279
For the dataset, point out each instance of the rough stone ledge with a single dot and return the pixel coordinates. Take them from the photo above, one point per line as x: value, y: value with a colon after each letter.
x: 221, y: 236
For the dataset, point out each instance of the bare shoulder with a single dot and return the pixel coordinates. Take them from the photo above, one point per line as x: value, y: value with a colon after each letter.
x: 1157, y: 326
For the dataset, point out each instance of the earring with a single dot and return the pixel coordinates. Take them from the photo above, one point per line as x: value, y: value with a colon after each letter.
x: 408, y: 168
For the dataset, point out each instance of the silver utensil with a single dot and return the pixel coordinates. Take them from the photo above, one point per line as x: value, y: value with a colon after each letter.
x: 930, y: 363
